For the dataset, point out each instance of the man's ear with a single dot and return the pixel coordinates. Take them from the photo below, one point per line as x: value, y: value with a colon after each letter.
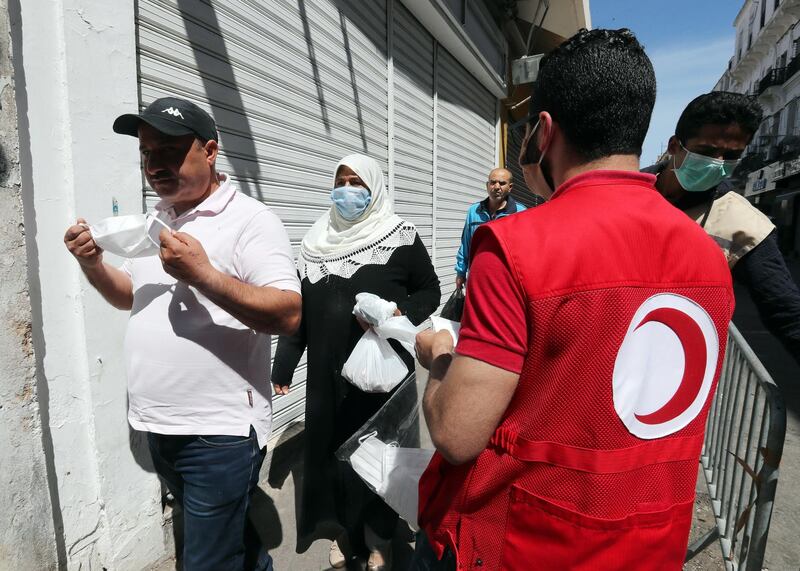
x: 545, y: 132
x: 674, y: 145
x: 211, y: 148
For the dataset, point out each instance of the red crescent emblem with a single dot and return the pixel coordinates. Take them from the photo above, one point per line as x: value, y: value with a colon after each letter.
x: 694, y: 350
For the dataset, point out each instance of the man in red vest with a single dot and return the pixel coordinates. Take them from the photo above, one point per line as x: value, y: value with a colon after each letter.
x: 568, y: 423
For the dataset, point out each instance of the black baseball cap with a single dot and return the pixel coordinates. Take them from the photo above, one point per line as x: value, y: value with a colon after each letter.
x: 172, y: 116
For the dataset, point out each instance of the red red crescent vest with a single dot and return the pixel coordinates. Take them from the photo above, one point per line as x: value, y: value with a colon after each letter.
x: 594, y: 463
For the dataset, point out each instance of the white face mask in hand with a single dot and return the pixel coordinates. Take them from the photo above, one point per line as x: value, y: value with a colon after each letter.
x: 132, y: 236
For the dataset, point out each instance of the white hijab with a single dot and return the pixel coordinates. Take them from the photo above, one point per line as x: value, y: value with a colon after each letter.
x: 339, y: 247
x: 332, y: 234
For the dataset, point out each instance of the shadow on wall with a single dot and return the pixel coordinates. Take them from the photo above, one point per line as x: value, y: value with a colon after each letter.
x: 218, y: 73
x: 219, y: 82
x: 353, y: 83
x: 312, y: 58
x: 34, y: 285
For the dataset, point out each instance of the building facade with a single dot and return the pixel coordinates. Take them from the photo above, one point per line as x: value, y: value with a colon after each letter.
x: 294, y: 86
x: 766, y: 65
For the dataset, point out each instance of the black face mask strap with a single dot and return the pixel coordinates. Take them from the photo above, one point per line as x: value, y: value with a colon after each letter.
x: 531, y: 149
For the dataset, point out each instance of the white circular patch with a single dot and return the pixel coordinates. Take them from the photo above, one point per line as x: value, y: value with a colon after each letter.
x: 665, y: 366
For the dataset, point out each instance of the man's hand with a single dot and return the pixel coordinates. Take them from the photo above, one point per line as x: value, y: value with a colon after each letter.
x: 281, y: 389
x: 185, y: 259
x: 431, y: 345
x: 460, y: 281
x: 80, y: 244
x: 114, y: 285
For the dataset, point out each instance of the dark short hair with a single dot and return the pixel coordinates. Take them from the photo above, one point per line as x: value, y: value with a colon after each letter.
x: 719, y: 108
x: 599, y: 86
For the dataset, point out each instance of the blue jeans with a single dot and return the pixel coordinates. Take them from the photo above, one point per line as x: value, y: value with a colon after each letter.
x: 424, y: 558
x: 211, y: 478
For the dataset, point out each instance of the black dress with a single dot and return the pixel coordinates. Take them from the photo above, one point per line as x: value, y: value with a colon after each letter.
x: 333, y: 496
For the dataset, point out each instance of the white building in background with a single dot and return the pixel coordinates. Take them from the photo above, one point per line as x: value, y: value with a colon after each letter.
x: 294, y: 85
x: 766, y: 64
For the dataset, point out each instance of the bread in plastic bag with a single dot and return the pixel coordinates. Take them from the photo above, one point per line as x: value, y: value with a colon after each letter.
x: 374, y: 366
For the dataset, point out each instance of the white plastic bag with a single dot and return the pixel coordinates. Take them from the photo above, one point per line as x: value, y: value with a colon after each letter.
x: 401, y: 329
x: 373, y: 309
x: 373, y: 366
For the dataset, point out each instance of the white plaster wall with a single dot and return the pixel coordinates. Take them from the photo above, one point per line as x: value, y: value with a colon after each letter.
x: 27, y: 537
x: 80, y: 73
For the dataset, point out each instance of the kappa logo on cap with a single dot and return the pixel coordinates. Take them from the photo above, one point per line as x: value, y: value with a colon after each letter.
x: 174, y: 112
x: 665, y: 366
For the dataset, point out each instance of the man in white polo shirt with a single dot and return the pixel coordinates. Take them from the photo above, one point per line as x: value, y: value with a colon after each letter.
x: 198, y: 341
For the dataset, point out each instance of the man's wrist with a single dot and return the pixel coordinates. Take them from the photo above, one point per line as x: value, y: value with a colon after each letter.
x: 93, y: 268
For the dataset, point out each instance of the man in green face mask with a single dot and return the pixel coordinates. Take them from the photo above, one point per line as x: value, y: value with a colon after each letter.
x: 710, y: 138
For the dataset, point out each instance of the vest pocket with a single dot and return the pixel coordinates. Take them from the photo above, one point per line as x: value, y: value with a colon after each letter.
x: 543, y: 535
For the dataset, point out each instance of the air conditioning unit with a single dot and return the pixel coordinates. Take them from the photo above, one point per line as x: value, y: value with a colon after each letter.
x: 525, y: 69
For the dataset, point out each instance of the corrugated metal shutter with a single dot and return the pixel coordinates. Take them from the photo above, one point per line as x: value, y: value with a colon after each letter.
x: 413, y: 122
x: 293, y: 87
x: 465, y: 155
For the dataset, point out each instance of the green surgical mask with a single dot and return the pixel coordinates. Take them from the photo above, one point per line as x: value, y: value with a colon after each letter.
x: 699, y: 173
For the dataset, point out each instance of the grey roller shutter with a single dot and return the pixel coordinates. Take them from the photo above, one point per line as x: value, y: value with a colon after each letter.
x: 465, y: 155
x: 413, y: 122
x: 293, y: 86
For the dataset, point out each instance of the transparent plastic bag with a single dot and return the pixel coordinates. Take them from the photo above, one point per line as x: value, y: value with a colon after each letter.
x: 392, y: 449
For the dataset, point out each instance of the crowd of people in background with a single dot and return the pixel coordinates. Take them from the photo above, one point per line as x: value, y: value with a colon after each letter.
x: 562, y: 438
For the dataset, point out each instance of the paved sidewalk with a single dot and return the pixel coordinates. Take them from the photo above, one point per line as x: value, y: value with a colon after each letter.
x: 274, y: 513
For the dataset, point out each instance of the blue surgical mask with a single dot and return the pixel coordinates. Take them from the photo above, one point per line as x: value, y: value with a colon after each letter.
x: 699, y: 173
x: 350, y: 201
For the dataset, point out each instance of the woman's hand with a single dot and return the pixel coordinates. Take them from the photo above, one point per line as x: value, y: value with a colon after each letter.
x: 281, y: 389
x: 366, y: 326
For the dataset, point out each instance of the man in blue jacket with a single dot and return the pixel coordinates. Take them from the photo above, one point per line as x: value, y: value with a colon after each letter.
x: 499, y: 203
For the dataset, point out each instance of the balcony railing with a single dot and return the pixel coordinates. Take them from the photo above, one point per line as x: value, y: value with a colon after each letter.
x: 773, y: 77
x: 793, y: 67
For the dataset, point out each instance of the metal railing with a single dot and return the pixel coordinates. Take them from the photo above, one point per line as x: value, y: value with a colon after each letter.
x: 742, y: 451
x: 772, y: 78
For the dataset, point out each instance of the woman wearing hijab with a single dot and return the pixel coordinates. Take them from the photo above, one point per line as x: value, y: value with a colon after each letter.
x: 359, y: 245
